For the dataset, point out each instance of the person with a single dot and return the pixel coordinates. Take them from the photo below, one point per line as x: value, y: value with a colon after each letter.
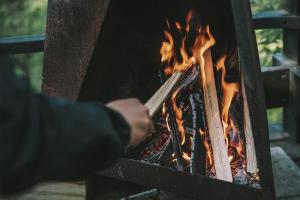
x: 47, y: 139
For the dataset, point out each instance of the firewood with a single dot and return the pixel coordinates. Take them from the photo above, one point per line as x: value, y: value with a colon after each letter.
x: 198, y: 155
x: 175, y: 137
x: 220, y: 152
x: 250, y: 148
x: 163, y: 93
x: 174, y: 130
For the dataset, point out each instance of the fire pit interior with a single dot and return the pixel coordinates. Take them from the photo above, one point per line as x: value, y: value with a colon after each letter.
x: 205, y: 127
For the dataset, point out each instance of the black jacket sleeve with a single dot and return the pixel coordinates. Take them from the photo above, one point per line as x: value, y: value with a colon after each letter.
x: 45, y: 139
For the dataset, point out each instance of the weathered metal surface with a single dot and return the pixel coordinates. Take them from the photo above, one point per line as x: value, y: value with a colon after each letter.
x: 22, y: 44
x: 193, y: 186
x: 250, y: 67
x: 72, y: 32
x: 279, y: 19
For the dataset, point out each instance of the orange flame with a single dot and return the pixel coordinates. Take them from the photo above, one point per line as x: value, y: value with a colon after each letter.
x: 207, y: 147
x: 178, y: 113
x: 167, y: 49
x: 229, y: 91
x: 188, y: 57
x: 181, y: 60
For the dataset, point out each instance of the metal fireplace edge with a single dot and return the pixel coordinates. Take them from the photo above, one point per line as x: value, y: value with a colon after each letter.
x: 181, y: 183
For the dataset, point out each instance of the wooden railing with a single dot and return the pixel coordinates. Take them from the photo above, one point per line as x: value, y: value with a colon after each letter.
x: 281, y: 81
x: 22, y: 44
x: 285, y: 83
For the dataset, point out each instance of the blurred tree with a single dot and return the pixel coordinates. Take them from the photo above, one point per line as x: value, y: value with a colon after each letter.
x: 25, y: 17
x: 269, y: 42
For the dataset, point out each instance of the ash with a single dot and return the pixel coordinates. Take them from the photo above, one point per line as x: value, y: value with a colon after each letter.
x: 243, y: 178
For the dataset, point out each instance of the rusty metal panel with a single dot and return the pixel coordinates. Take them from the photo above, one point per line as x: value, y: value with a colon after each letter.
x: 71, y: 35
x: 251, y: 73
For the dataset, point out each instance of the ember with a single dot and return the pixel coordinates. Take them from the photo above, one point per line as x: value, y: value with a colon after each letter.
x: 200, y: 129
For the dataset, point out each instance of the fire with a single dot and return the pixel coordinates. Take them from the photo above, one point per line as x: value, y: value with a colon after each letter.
x: 204, y: 40
x: 167, y: 49
x: 182, y: 61
x: 207, y: 146
x: 187, y: 56
x: 178, y: 113
x: 229, y: 91
x: 231, y: 132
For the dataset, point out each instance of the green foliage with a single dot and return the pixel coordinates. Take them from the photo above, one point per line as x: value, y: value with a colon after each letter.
x: 275, y: 115
x: 268, y: 41
x: 263, y: 5
x: 27, y: 17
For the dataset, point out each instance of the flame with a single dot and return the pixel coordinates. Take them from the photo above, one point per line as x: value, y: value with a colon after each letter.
x: 186, y: 157
x: 183, y: 60
x: 178, y: 114
x: 208, y: 149
x: 229, y: 91
x: 178, y: 25
x: 167, y: 49
x: 203, y: 41
x: 164, y: 109
x: 231, y: 132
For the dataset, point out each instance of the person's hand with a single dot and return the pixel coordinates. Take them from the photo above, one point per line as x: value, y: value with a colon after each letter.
x: 137, y: 116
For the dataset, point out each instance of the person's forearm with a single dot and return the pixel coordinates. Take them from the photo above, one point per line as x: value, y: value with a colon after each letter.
x: 51, y: 139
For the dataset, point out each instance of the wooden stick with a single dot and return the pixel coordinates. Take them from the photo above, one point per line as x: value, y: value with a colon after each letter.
x: 221, y: 161
x: 163, y: 93
x: 250, y: 148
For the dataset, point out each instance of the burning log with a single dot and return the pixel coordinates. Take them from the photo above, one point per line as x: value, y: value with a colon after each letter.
x: 250, y: 148
x: 174, y: 131
x: 198, y: 155
x: 175, y: 137
x: 222, y: 166
x: 189, y: 79
x: 164, y: 92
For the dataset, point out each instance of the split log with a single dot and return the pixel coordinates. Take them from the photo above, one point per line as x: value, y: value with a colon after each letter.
x: 220, y: 152
x: 178, y: 79
x: 163, y: 93
x: 250, y: 148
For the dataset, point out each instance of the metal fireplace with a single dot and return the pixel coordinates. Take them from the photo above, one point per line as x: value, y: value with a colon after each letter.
x: 118, y: 49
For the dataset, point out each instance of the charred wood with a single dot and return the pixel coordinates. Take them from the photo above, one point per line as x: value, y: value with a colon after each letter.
x: 198, y: 155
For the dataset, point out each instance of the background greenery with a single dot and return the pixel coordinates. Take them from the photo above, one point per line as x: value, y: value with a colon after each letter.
x: 25, y: 17
x: 269, y: 42
x: 28, y: 17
